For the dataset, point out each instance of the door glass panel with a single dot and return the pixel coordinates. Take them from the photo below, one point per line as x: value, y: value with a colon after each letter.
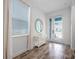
x: 58, y: 27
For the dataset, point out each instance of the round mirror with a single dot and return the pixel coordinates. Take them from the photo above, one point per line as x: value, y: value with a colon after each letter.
x: 38, y: 25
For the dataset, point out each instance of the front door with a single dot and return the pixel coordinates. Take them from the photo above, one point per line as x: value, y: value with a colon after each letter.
x: 56, y: 29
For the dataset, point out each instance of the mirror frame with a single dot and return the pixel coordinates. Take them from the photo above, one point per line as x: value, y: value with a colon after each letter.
x: 38, y: 19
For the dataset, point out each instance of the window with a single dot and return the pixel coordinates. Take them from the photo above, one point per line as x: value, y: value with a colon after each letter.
x: 20, y: 18
x: 38, y: 25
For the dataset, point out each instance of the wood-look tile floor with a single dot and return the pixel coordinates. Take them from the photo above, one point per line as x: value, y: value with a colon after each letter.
x: 50, y: 51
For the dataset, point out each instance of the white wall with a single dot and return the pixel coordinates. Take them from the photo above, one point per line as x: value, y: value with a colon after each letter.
x: 36, y: 13
x: 66, y: 14
x: 19, y: 45
x: 73, y: 27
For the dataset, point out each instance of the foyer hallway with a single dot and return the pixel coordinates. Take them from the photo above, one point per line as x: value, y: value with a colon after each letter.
x: 48, y: 51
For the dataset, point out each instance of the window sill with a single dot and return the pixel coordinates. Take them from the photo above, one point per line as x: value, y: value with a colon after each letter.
x: 19, y: 35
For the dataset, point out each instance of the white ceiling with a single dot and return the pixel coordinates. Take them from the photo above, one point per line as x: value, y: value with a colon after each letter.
x: 49, y: 5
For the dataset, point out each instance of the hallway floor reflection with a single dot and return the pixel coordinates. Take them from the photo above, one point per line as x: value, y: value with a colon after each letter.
x: 49, y: 51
